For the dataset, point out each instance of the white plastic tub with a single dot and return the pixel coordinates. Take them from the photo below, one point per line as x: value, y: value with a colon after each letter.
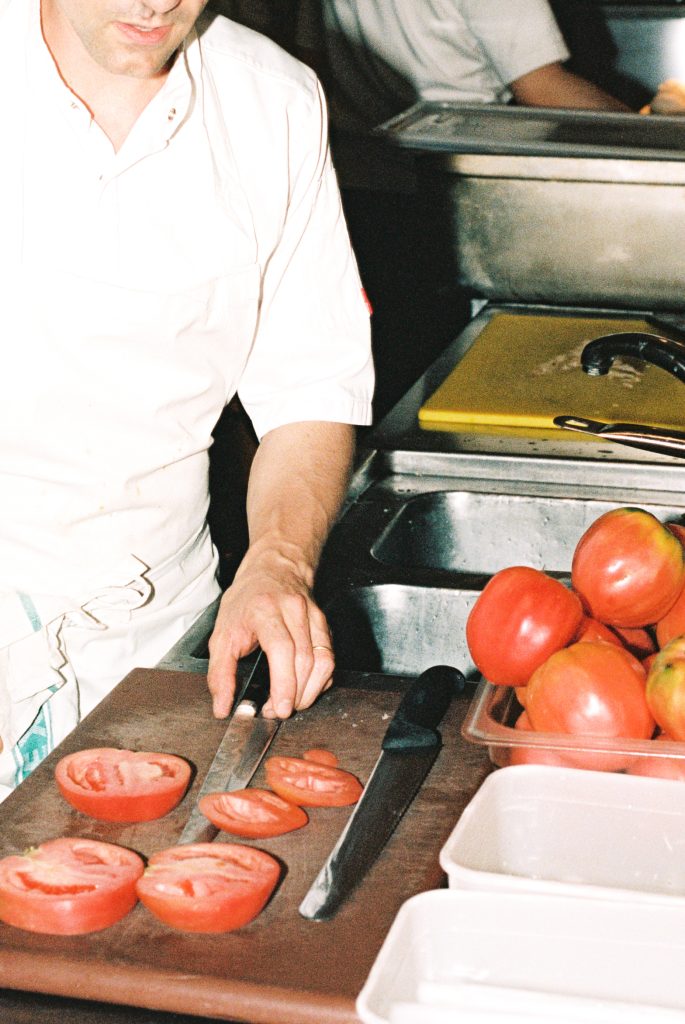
x: 467, y: 957
x: 544, y: 829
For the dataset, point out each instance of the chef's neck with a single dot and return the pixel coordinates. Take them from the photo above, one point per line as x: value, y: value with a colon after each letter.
x: 115, y: 99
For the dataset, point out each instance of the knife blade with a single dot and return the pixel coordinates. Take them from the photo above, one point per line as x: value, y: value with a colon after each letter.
x: 661, y: 440
x: 409, y: 748
x: 246, y: 740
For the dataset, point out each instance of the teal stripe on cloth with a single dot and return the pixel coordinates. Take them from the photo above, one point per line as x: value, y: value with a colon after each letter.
x: 34, y: 745
x: 31, y: 611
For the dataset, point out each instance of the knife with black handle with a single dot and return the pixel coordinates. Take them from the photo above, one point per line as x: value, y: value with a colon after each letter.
x: 244, y: 744
x: 410, y: 746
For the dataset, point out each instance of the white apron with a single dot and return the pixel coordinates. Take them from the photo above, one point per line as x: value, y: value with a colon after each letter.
x: 113, y: 377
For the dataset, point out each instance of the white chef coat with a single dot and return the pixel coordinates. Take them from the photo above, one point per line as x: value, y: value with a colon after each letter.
x: 140, y: 290
x: 384, y: 56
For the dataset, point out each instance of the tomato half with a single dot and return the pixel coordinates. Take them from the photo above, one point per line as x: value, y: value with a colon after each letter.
x: 310, y: 784
x: 591, y: 689
x: 666, y: 688
x: 521, y: 616
x: 122, y: 785
x: 208, y: 887
x: 68, y: 886
x: 321, y: 756
x: 252, y: 813
x: 628, y: 568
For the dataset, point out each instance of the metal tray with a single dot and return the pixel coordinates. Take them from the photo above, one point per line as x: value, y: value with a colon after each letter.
x: 451, y: 127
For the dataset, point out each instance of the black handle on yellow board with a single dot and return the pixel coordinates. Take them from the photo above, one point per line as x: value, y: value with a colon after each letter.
x: 598, y: 355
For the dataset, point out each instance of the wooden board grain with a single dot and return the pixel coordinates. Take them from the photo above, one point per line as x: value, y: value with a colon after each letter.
x: 281, y: 969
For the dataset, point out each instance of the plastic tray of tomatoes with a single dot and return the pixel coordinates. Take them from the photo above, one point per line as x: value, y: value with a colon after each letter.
x: 490, y: 722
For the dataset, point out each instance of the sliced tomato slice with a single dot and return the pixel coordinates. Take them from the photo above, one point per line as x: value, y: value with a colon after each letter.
x: 122, y: 785
x: 310, y: 784
x: 321, y: 756
x: 68, y: 886
x: 208, y: 887
x: 252, y: 813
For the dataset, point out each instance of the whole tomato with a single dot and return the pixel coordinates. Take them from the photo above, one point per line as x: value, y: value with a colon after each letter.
x: 665, y: 690
x: 534, y: 754
x: 635, y: 639
x: 628, y: 568
x: 521, y: 616
x: 659, y: 767
x: 673, y: 622
x: 591, y: 689
x: 591, y: 629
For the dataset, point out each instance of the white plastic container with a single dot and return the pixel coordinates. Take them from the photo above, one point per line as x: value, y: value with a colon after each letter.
x: 468, y: 957
x: 561, y: 831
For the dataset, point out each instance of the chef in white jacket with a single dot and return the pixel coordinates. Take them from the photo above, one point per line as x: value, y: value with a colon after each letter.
x: 171, y: 236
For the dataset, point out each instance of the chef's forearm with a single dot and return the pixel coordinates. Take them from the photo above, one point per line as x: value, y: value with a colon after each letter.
x: 553, y: 85
x: 298, y: 481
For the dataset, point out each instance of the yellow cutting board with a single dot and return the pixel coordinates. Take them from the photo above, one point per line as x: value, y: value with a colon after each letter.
x: 522, y: 371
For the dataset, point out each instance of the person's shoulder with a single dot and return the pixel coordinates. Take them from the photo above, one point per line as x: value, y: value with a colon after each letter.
x: 230, y: 49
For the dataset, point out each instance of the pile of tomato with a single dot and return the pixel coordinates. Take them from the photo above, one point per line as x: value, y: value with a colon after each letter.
x: 73, y: 886
x: 601, y: 658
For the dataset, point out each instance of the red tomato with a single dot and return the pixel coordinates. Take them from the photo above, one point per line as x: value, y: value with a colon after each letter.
x: 678, y: 530
x: 638, y: 641
x: 591, y: 629
x: 520, y: 617
x: 666, y: 688
x: 321, y: 757
x: 659, y: 767
x: 628, y: 568
x: 673, y: 622
x: 252, y: 813
x: 122, y: 785
x: 208, y: 887
x: 68, y: 886
x: 310, y: 784
x: 591, y: 689
x: 533, y: 755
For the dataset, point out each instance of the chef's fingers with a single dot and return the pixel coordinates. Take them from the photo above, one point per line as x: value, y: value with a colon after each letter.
x: 227, y: 645
x: 221, y: 682
x: 301, y: 669
x: 321, y: 676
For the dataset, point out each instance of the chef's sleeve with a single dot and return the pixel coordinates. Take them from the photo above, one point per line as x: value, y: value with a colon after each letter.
x: 311, y: 356
x: 516, y: 36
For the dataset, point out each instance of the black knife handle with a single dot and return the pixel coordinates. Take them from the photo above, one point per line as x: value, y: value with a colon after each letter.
x: 257, y: 688
x: 414, y: 724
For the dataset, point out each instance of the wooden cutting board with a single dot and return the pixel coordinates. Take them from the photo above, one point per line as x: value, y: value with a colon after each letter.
x: 522, y: 371
x: 281, y: 968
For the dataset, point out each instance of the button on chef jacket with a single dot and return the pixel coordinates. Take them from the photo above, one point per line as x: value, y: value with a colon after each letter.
x: 140, y: 291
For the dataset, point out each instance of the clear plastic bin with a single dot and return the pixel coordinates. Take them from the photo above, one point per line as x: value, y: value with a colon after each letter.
x: 490, y: 722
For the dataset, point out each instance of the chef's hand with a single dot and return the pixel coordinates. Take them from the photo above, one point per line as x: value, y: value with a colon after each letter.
x: 270, y: 606
x: 669, y: 99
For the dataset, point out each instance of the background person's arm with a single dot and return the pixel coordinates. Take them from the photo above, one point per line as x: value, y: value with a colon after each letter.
x: 553, y: 85
x: 298, y: 481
